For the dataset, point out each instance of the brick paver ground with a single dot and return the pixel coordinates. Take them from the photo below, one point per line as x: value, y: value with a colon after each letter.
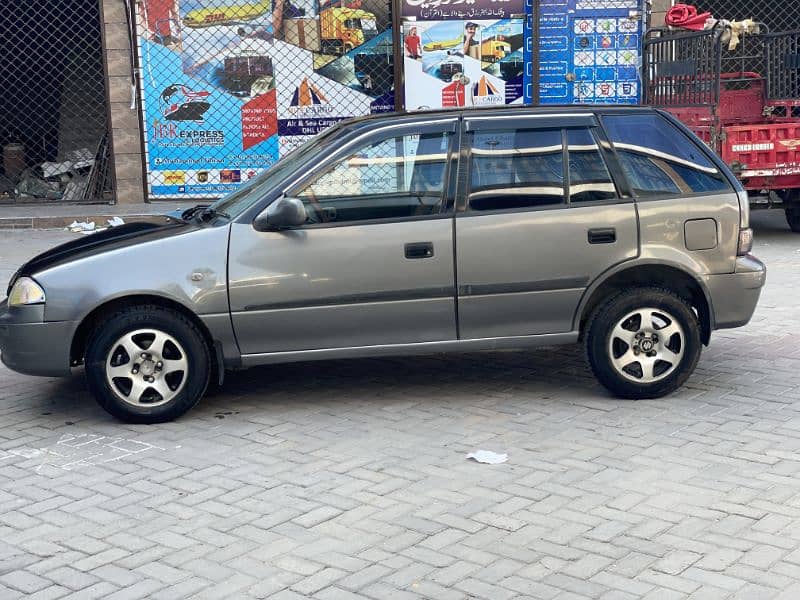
x: 348, y: 479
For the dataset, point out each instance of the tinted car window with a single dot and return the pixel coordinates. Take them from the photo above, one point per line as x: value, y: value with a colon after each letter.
x: 254, y: 190
x: 659, y: 160
x: 516, y: 169
x: 396, y: 177
x: 589, y: 179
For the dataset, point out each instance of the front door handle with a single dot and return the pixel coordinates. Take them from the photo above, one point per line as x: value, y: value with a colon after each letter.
x: 419, y: 250
x: 602, y: 236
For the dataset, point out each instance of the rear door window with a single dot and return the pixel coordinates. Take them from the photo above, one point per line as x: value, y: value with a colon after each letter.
x: 659, y: 160
x: 516, y: 169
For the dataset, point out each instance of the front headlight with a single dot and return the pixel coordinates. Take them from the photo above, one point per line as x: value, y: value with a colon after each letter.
x: 26, y: 291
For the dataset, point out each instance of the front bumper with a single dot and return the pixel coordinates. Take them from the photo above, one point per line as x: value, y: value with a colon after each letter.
x: 32, y: 346
x: 734, y: 295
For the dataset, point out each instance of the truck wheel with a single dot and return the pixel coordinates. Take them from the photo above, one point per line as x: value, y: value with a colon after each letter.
x: 147, y: 364
x: 793, y: 218
x: 643, y: 343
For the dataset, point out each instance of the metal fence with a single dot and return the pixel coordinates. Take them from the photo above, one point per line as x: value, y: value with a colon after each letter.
x: 783, y: 65
x: 681, y: 69
x: 783, y: 15
x: 53, y: 111
x: 687, y: 68
x: 230, y: 86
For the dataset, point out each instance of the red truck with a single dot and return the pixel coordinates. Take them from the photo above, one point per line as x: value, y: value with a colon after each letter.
x: 743, y: 102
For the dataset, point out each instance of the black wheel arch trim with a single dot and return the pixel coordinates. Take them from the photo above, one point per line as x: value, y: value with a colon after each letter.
x: 633, y: 264
x: 80, y: 335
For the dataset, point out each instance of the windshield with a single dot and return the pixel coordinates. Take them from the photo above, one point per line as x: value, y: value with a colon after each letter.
x: 243, y: 198
x: 369, y: 25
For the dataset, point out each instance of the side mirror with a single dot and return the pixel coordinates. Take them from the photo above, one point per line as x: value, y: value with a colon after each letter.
x: 284, y: 213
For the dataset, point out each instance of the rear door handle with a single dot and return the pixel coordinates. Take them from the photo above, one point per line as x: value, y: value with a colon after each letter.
x: 419, y: 250
x: 602, y: 236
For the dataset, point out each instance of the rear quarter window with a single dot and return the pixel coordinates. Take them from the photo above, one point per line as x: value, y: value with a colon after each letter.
x: 659, y: 160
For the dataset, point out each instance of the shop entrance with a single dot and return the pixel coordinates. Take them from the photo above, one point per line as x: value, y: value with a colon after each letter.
x: 53, y: 107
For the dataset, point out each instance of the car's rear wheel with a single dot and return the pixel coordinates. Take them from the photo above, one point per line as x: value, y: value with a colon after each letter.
x: 147, y: 364
x: 643, y: 343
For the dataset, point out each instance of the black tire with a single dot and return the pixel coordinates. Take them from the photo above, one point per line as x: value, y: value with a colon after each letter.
x: 600, y: 346
x: 793, y: 218
x: 165, y: 320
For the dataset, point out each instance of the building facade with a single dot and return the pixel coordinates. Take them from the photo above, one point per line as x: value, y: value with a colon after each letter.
x: 142, y: 100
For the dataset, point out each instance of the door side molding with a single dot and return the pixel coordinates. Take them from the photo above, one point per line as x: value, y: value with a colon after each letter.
x: 421, y: 348
x: 560, y: 283
x: 388, y: 296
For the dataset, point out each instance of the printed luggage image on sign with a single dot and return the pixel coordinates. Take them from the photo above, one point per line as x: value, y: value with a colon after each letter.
x: 229, y: 46
x: 296, y: 22
x: 248, y: 72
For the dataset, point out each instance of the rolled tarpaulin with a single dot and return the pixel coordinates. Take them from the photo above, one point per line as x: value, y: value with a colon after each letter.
x: 686, y: 16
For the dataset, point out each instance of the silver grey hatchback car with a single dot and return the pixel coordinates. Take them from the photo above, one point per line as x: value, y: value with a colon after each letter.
x: 408, y: 234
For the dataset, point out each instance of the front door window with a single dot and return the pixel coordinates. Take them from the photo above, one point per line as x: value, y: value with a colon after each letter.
x: 393, y: 178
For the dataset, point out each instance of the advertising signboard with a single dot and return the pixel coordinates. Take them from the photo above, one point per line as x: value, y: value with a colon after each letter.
x: 229, y: 86
x: 460, y: 53
x: 589, y: 51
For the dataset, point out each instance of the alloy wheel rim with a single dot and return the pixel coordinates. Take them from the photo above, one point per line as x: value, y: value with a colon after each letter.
x: 146, y: 368
x: 646, y: 345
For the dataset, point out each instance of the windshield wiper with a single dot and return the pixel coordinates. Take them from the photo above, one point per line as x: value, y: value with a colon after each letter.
x: 190, y: 212
x: 205, y: 212
x: 209, y: 212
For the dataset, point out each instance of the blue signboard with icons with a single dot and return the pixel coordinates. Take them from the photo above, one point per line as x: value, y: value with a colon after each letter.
x: 589, y: 51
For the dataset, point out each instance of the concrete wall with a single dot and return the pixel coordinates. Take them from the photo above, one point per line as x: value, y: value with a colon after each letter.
x: 125, y: 127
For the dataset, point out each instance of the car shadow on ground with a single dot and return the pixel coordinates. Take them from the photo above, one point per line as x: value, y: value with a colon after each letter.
x: 497, y: 370
x: 272, y: 390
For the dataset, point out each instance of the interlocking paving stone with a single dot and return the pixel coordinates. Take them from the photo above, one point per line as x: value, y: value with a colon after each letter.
x: 347, y: 479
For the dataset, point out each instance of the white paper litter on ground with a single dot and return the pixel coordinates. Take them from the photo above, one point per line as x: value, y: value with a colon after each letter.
x: 76, y: 227
x: 488, y: 457
x: 115, y: 222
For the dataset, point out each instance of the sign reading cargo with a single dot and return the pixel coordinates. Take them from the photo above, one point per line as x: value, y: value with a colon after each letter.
x: 230, y: 86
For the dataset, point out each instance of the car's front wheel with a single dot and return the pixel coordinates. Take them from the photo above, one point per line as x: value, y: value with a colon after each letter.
x: 147, y: 364
x: 643, y: 343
